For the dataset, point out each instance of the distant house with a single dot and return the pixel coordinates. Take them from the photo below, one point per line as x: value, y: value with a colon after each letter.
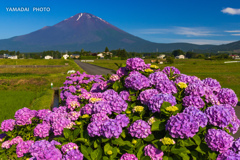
x: 234, y: 56
x: 161, y: 56
x: 48, y: 57
x: 180, y: 57
x: 75, y: 56
x: 13, y: 57
x: 103, y: 54
x: 65, y: 56
x: 100, y: 55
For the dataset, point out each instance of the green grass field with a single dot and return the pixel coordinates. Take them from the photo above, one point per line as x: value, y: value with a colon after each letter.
x: 227, y: 74
x: 30, y: 87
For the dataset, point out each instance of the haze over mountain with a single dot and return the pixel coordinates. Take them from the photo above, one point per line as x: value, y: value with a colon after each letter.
x: 89, y: 32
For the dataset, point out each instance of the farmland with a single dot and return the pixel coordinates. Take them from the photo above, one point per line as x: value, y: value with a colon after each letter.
x: 30, y: 87
x: 227, y: 74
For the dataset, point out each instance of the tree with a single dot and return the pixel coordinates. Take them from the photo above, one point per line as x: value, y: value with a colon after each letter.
x: 177, y: 52
x: 190, y: 54
x: 106, y: 49
x: 170, y: 59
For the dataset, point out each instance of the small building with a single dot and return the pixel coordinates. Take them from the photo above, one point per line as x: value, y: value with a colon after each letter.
x: 234, y: 56
x: 13, y: 57
x: 65, y: 56
x: 180, y: 57
x: 48, y: 57
x: 100, y: 55
x: 75, y: 56
x: 161, y: 56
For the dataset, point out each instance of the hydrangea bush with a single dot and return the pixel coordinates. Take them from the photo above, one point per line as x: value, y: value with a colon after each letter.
x: 139, y: 113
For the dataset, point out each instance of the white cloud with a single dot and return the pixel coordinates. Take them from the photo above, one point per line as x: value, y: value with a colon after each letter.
x: 235, y: 34
x: 231, y: 11
x: 233, y: 31
x: 187, y: 31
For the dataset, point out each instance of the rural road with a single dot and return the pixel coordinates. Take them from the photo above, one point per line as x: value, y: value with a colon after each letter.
x: 92, y: 69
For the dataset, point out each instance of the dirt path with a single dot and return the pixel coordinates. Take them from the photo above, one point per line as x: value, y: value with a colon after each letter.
x: 94, y: 70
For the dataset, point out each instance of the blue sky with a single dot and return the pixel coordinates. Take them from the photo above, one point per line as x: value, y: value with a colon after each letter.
x: 193, y: 21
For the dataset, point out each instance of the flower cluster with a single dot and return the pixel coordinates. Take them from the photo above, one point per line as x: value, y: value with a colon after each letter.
x: 139, y: 129
x: 227, y: 96
x: 8, y: 125
x: 182, y: 126
x: 166, y: 86
x: 153, y: 153
x: 23, y: 147
x: 42, y: 130
x: 144, y: 96
x: 137, y: 81
x: 127, y: 156
x: 218, y: 140
x: 157, y: 77
x: 195, y: 101
x: 156, y: 101
x: 137, y: 64
x: 24, y: 116
x: 170, y: 70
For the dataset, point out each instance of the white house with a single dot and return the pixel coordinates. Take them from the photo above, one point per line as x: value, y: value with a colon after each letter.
x: 48, y: 57
x: 13, y: 57
x: 100, y: 55
x: 161, y: 56
x: 65, y: 56
x: 180, y: 57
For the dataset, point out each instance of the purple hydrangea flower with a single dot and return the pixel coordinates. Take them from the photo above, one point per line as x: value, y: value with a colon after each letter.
x: 7, y: 125
x: 218, y: 115
x: 156, y: 101
x: 24, y: 116
x: 59, y: 125
x: 118, y: 105
x: 68, y: 147
x: 122, y: 72
x: 23, y: 148
x: 95, y: 128
x: 153, y: 153
x: 73, y: 155
x: 114, y: 77
x: 135, y: 64
x: 7, y: 144
x: 60, y: 109
x: 213, y: 84
x: 228, y: 155
x: 195, y: 101
x: 184, y: 78
x: 53, y: 142
x: 144, y: 96
x: 218, y: 140
x: 43, y: 150
x: 123, y: 120
x: 182, y: 126
x: 111, y: 128
x: 42, y: 113
x: 157, y: 77
x: 195, y: 89
x: 213, y: 99
x: 73, y: 115
x: 72, y: 89
x: 87, y: 109
x: 140, y: 129
x: 236, y: 146
x: 85, y: 95
x: 199, y: 116
x: 54, y: 117
x: 125, y: 95
x: 102, y: 116
x: 102, y: 107
x: 16, y: 140
x: 168, y: 69
x: 166, y: 86
x: 110, y: 95
x: 137, y: 82
x: 227, y: 96
x: 127, y: 156
x: 42, y: 130
x: 72, y: 102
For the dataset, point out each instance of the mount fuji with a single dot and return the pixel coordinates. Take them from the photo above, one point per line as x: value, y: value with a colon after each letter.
x: 89, y: 32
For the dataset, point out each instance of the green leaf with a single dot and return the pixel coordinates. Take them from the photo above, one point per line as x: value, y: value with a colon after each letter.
x: 96, y: 154
x: 104, y: 140
x: 188, y: 142
x: 136, y: 118
x: 175, y: 150
x: 200, y: 150
x: 158, y: 126
x: 140, y: 152
x: 194, y: 155
x: 123, y: 134
x: 212, y: 155
x: 167, y: 158
x: 76, y: 132
x: 105, y: 158
x: 184, y: 156
x: 66, y: 133
x: 80, y: 140
x: 165, y: 105
x: 164, y: 148
x: 95, y: 144
x: 107, y: 147
x: 84, y: 151
x: 149, y: 138
x: 115, y: 152
x: 197, y: 139
x: 145, y: 158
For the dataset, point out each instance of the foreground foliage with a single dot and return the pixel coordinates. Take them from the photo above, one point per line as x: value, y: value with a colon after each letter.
x: 138, y: 113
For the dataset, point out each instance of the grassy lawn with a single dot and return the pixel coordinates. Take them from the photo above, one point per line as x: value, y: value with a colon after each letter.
x: 227, y: 74
x: 30, y: 87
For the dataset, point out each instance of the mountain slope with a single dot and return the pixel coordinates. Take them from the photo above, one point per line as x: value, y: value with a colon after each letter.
x: 90, y: 33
